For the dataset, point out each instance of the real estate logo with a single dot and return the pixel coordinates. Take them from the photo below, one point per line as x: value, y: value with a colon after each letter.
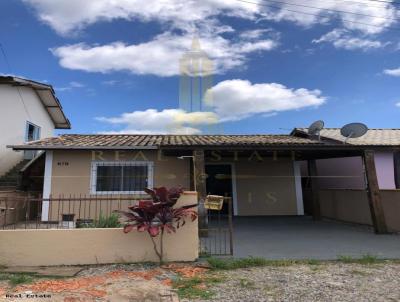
x: 196, y: 79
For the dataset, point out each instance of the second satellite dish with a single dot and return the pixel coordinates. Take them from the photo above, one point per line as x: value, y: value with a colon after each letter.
x: 353, y: 130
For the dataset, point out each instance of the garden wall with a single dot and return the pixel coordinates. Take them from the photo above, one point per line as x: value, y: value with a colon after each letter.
x: 352, y: 206
x: 96, y: 246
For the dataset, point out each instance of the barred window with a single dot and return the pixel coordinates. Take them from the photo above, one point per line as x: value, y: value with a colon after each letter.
x: 121, y: 177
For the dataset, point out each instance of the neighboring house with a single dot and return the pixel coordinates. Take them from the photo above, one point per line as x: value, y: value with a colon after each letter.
x: 30, y: 111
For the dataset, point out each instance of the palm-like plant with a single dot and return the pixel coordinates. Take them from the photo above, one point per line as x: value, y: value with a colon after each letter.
x: 158, y: 215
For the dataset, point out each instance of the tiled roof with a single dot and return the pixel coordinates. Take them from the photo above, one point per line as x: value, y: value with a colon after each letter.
x: 78, y: 141
x: 373, y: 137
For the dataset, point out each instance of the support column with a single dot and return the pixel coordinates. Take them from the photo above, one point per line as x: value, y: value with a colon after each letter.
x: 48, y: 170
x: 200, y: 185
x: 374, y: 196
x: 312, y: 173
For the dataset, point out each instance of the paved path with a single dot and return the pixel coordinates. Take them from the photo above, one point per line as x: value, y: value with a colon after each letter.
x: 302, y: 238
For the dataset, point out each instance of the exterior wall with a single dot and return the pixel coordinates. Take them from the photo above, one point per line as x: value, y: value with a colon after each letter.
x: 95, y: 246
x: 384, y: 163
x: 347, y: 172
x: 266, y: 188
x: 352, y: 206
x: 71, y: 171
x: 339, y: 173
x: 71, y: 176
x: 262, y: 188
x: 13, y: 118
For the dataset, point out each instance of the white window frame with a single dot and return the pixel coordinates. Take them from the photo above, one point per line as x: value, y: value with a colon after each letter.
x: 37, y: 130
x: 93, y: 178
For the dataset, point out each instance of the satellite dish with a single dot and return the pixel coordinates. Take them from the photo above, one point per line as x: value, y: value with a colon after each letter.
x: 353, y: 130
x: 315, y: 128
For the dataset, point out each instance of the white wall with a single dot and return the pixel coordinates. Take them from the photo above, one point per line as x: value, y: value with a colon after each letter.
x: 384, y: 164
x: 13, y: 117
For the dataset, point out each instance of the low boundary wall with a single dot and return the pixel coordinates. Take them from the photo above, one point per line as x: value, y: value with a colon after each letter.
x: 352, y: 206
x: 96, y: 246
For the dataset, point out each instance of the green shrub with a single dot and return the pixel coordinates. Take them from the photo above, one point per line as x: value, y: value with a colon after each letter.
x: 111, y: 221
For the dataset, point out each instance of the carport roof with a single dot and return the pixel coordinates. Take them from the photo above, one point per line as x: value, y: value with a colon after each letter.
x: 373, y: 137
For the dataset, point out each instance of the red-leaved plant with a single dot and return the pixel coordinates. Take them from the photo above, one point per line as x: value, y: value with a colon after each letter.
x: 158, y: 215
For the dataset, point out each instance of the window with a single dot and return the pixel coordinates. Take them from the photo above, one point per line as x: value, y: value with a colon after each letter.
x: 121, y: 177
x: 32, y: 132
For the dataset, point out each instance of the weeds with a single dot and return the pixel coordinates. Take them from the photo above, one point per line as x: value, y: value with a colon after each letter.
x: 16, y: 279
x: 365, y: 259
x: 196, y: 287
x: 228, y: 264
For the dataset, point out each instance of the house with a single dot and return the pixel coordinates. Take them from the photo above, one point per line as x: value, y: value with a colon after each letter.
x: 261, y: 173
x: 30, y: 111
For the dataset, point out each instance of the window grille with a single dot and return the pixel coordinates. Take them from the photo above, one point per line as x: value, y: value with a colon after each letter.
x: 121, y: 177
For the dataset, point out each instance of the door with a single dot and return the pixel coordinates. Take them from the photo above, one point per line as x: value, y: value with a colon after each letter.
x: 217, y: 238
x: 32, y: 133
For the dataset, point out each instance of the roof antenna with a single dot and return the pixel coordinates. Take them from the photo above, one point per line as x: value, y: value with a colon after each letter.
x: 353, y: 130
x: 315, y: 128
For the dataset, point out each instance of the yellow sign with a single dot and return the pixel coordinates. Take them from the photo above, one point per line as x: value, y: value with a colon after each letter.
x: 214, y: 202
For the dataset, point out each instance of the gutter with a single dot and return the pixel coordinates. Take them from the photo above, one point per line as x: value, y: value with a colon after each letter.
x: 27, y: 147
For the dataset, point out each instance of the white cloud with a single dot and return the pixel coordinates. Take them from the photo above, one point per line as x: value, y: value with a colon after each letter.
x: 233, y: 100
x: 159, y: 56
x: 359, y: 18
x: 398, y: 104
x: 69, y: 16
x: 341, y: 38
x: 392, y: 72
x: 71, y: 85
x: 152, y: 121
x: 239, y: 99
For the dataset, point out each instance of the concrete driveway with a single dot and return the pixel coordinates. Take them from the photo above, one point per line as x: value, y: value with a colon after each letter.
x: 302, y: 238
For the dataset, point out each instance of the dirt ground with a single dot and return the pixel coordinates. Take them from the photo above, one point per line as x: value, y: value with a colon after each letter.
x: 103, y: 283
x: 274, y: 281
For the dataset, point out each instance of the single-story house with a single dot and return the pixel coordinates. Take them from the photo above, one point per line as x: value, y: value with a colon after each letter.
x: 261, y: 173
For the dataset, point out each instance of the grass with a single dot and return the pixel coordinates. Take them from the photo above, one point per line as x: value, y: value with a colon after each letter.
x: 365, y: 259
x: 228, y: 264
x: 196, y: 287
x: 16, y: 279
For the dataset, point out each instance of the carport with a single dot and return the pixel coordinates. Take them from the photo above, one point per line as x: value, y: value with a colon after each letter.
x: 301, y: 237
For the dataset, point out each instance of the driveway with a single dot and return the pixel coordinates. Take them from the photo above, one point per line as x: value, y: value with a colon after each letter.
x: 302, y: 238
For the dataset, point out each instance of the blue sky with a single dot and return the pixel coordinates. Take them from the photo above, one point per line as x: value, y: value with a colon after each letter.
x: 276, y: 69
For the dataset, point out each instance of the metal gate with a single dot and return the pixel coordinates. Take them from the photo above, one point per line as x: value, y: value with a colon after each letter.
x: 216, y: 239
